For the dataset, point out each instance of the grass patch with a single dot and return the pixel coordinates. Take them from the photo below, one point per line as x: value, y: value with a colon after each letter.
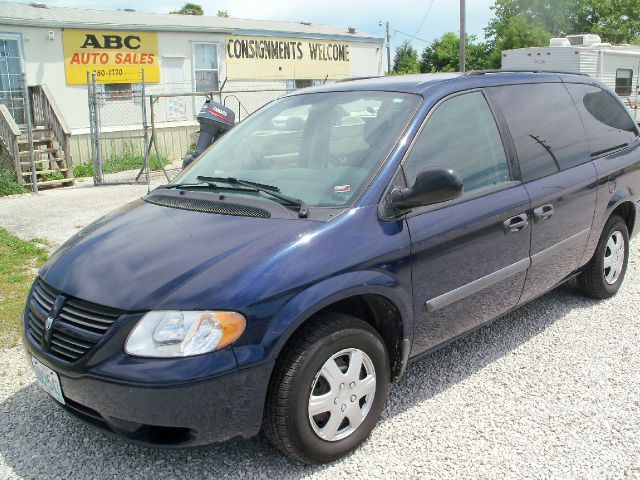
x: 128, y: 159
x: 19, y: 261
x: 117, y: 164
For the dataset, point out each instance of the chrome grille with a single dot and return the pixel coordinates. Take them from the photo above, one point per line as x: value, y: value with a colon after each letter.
x: 207, y: 206
x: 78, y: 327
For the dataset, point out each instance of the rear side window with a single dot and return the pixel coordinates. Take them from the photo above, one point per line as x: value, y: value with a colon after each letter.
x: 461, y: 134
x: 607, y: 124
x: 624, y: 81
x: 545, y: 127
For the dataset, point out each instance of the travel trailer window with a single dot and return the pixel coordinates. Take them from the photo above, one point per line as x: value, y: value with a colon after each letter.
x: 624, y: 80
x: 545, y: 127
x: 607, y: 123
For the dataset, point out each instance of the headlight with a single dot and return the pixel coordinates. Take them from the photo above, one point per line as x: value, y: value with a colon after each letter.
x: 172, y: 333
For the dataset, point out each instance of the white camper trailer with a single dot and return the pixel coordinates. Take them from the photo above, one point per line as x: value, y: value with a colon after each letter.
x: 618, y: 66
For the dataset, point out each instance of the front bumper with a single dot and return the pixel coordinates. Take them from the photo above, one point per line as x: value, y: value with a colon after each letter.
x: 176, y: 414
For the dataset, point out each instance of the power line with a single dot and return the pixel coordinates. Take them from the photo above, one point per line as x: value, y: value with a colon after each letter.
x: 424, y: 18
x: 412, y: 36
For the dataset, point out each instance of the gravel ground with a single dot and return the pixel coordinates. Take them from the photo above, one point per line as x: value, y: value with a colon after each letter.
x: 57, y: 214
x: 550, y: 391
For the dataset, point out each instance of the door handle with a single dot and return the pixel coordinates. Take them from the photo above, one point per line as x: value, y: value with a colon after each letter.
x: 542, y: 213
x: 517, y: 223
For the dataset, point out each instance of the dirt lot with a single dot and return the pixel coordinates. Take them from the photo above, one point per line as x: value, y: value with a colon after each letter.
x: 551, y: 390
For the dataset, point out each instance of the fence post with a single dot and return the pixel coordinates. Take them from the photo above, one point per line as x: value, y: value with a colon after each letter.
x: 145, y: 128
x: 98, y: 175
x: 27, y: 120
x: 91, y: 132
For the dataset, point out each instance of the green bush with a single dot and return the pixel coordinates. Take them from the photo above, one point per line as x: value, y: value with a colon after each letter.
x: 9, y: 186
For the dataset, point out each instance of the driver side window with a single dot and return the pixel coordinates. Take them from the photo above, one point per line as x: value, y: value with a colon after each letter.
x: 461, y: 134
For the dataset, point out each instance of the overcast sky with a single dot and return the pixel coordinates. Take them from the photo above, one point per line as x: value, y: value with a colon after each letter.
x: 404, y: 16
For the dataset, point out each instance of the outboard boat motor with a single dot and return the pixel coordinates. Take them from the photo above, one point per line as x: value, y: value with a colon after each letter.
x: 215, y: 120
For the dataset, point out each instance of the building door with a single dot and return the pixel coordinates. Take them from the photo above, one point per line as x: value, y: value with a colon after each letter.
x: 11, y: 92
x: 173, y: 72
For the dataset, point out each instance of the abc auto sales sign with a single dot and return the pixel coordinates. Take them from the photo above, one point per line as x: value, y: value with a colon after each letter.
x: 116, y: 57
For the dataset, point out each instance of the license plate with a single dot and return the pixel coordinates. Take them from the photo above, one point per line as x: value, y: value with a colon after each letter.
x: 48, y: 380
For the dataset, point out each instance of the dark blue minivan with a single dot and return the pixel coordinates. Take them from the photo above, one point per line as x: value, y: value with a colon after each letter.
x: 285, y: 278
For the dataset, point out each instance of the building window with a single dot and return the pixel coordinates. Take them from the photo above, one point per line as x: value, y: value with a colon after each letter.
x: 295, y: 84
x: 624, y: 80
x: 118, y: 91
x: 205, y: 67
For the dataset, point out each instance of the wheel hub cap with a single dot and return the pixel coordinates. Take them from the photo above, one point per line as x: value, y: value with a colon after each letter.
x: 341, y: 394
x: 614, y: 256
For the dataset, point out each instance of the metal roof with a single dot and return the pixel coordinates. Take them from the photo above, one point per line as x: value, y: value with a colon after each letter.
x: 40, y: 15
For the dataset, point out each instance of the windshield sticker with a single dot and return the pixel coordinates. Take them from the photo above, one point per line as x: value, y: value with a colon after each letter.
x: 342, y: 189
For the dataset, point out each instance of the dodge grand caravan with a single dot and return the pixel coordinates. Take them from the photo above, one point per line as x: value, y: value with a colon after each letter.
x: 285, y: 278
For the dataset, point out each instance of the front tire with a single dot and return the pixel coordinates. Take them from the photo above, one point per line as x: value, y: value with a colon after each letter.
x: 604, y: 273
x: 328, y: 390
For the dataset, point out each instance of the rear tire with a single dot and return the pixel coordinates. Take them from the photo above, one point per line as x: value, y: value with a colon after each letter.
x: 328, y: 389
x: 604, y: 273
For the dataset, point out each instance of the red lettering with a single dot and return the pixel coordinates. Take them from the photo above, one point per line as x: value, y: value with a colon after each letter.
x: 118, y: 58
x: 75, y: 59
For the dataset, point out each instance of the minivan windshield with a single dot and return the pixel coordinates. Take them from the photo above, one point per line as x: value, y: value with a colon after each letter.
x: 321, y: 148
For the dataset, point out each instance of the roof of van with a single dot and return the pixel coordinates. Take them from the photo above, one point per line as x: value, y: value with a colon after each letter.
x: 420, y: 83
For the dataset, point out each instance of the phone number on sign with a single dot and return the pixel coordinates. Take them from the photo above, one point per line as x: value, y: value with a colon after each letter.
x: 115, y: 72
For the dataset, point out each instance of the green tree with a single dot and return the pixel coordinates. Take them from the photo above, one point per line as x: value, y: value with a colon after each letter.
x: 525, y: 23
x: 189, y: 9
x: 222, y: 13
x: 443, y: 54
x: 405, y: 59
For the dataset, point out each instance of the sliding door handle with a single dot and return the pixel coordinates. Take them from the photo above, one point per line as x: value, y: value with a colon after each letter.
x: 542, y: 213
x: 517, y: 223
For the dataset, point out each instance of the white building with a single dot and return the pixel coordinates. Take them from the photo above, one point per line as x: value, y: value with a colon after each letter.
x: 617, y: 66
x: 179, y: 53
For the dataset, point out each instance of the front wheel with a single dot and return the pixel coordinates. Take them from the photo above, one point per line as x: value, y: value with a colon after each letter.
x: 328, y: 389
x: 604, y: 273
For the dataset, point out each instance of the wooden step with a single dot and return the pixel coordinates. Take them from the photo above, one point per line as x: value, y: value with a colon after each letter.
x: 51, y: 183
x: 41, y: 137
x: 42, y: 162
x: 62, y: 170
x: 39, y: 151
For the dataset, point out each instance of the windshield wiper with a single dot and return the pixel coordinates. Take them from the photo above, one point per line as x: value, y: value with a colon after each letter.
x: 303, y: 210
x: 272, y: 188
x: 205, y: 185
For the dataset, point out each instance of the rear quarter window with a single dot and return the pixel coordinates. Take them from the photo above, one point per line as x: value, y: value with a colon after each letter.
x: 606, y: 122
x: 545, y: 127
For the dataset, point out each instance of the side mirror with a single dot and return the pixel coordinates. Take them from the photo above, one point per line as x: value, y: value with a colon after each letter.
x: 432, y: 185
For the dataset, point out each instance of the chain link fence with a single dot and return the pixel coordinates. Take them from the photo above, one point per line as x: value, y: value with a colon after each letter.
x: 120, y: 134
x: 137, y: 129
x: 247, y: 100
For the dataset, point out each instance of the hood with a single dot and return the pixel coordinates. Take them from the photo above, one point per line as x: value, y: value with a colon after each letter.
x: 141, y: 254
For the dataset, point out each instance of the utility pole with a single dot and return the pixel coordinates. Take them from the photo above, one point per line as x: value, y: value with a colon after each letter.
x: 463, y: 37
x: 388, y: 45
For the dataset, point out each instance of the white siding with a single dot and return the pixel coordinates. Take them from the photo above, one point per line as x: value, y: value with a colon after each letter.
x: 544, y: 58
